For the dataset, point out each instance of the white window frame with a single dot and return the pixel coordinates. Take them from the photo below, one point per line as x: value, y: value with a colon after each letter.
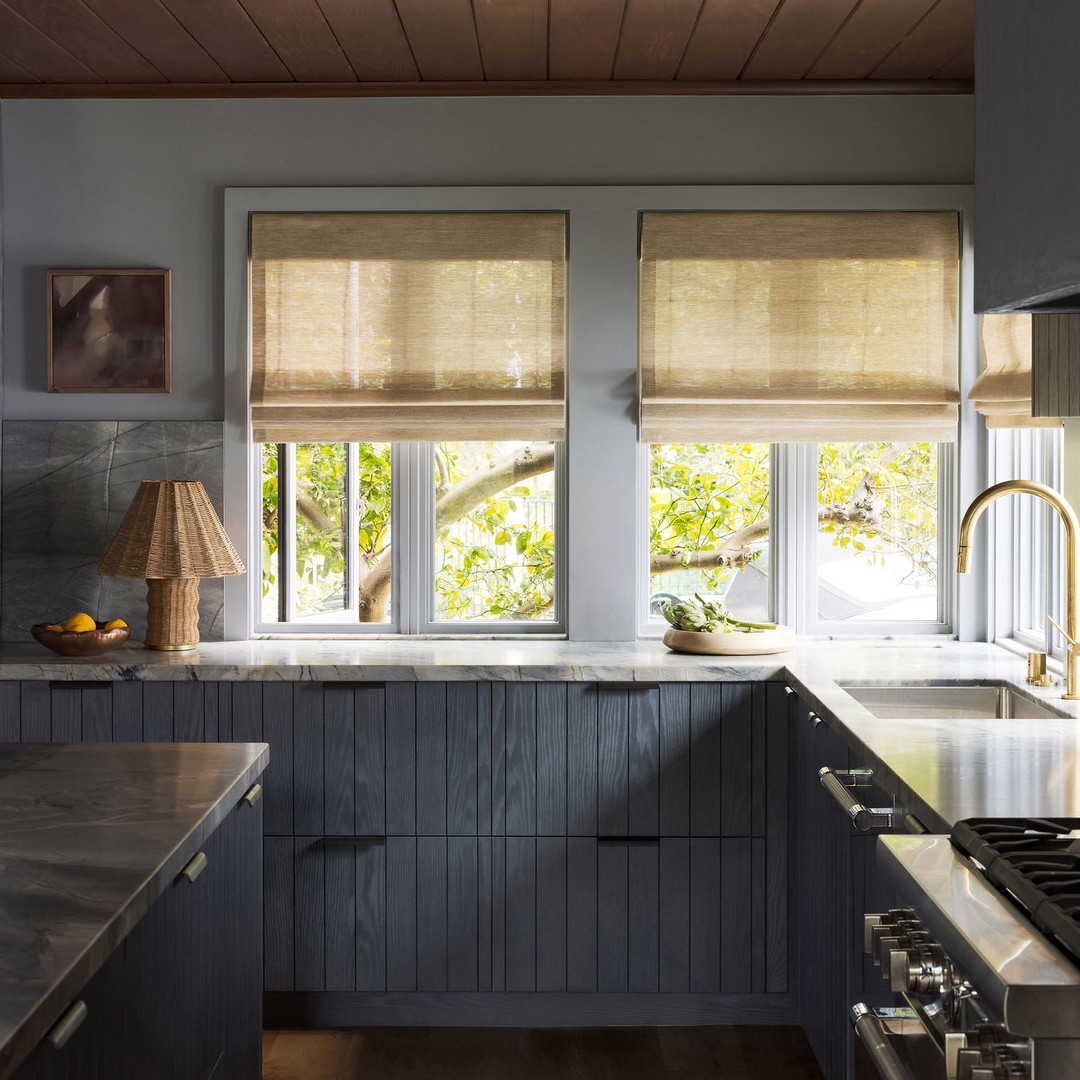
x: 604, y: 538
x: 413, y: 572
x: 1027, y: 538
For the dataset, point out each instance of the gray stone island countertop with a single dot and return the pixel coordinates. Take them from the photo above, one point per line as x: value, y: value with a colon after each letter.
x: 90, y: 835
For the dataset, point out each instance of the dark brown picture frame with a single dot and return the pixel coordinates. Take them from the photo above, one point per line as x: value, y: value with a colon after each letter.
x: 109, y: 331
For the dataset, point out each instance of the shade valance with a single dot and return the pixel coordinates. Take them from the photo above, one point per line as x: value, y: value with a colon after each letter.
x: 1002, y: 392
x: 380, y: 327
x: 799, y: 326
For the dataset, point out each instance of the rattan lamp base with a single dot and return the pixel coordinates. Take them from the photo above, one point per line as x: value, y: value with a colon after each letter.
x: 172, y: 615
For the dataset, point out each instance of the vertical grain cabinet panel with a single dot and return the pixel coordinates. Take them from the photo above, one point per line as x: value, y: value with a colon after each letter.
x: 820, y: 875
x: 460, y: 837
x: 670, y: 871
x: 377, y: 876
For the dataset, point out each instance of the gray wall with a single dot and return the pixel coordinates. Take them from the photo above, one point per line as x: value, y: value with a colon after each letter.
x: 130, y: 183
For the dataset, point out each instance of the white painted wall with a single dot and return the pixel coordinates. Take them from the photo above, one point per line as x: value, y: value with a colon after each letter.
x: 133, y: 183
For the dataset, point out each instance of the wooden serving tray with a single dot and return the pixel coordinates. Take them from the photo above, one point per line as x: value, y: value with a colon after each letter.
x: 735, y: 643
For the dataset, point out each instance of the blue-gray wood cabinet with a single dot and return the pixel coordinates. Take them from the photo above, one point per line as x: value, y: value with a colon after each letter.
x: 179, y: 997
x: 834, y: 882
x: 526, y: 852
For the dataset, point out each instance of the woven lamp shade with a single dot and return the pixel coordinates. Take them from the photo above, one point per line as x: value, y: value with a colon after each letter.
x: 171, y: 536
x: 171, y: 530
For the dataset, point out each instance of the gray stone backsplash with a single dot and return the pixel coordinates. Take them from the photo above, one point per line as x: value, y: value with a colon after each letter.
x: 66, y: 487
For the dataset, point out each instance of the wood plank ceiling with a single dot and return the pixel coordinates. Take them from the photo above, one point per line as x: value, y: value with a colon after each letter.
x: 293, y: 48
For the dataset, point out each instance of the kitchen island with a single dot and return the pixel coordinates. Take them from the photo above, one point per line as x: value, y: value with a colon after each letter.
x: 128, y: 876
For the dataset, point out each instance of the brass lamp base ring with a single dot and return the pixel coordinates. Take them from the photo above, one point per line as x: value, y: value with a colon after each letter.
x: 170, y: 648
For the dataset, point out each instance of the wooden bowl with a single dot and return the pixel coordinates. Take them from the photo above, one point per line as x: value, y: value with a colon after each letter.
x: 736, y: 643
x: 74, y: 643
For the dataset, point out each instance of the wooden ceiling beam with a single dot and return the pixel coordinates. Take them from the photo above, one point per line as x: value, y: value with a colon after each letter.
x: 569, y: 88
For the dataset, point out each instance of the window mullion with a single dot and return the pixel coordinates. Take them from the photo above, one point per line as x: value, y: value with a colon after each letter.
x: 794, y: 534
x: 947, y: 526
x: 406, y: 538
x: 350, y: 527
x: 287, y: 533
x: 422, y: 543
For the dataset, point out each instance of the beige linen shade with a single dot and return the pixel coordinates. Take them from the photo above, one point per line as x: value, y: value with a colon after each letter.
x: 1002, y: 392
x: 799, y: 326
x: 378, y: 327
x: 172, y: 536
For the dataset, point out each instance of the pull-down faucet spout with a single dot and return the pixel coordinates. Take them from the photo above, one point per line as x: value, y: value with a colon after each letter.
x: 1071, y: 632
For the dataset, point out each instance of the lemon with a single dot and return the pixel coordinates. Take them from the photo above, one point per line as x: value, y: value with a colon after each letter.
x: 115, y: 624
x: 57, y: 627
x: 80, y: 622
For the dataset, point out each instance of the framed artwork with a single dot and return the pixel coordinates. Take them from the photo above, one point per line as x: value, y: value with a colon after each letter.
x: 109, y: 332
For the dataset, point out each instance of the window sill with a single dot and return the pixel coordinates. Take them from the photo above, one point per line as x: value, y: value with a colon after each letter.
x: 407, y: 637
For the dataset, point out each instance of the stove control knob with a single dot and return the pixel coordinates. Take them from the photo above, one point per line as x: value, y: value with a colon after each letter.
x: 955, y: 1041
x: 888, y: 945
x: 889, y: 936
x: 921, y: 969
x: 971, y: 1065
x: 884, y: 919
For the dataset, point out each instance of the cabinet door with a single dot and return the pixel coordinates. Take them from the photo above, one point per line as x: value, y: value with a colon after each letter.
x: 675, y: 914
x: 80, y: 711
x: 179, y: 997
x: 410, y: 913
x: 625, y: 760
x: 822, y: 894
x: 370, y: 759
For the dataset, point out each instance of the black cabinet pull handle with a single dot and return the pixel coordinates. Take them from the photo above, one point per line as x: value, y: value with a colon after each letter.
x: 78, y: 684
x: 345, y: 684
x: 640, y: 686
x: 351, y: 841
x: 628, y: 840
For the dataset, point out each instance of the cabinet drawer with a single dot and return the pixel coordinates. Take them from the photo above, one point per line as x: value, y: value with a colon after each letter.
x: 404, y: 913
x: 588, y: 759
x: 390, y: 759
x: 678, y: 915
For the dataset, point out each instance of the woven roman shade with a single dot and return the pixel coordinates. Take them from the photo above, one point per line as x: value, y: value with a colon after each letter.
x: 378, y: 327
x: 1002, y: 392
x: 799, y: 327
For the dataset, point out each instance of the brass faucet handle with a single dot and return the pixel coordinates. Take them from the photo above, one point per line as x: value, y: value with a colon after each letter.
x: 1071, y: 641
x: 1037, y: 674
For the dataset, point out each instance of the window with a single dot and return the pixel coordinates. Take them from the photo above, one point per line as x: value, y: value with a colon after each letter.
x: 797, y: 328
x: 407, y: 402
x: 346, y: 482
x: 1031, y: 532
x: 1023, y: 531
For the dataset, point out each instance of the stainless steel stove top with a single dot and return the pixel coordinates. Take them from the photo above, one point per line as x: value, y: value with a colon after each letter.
x: 1027, y: 981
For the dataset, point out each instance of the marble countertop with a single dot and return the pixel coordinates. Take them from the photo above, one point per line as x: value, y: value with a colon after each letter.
x: 947, y: 769
x: 90, y: 836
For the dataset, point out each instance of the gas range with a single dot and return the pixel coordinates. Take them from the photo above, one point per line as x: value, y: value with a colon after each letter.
x: 986, y: 955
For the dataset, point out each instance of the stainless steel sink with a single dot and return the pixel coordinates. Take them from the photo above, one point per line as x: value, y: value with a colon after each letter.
x: 894, y: 702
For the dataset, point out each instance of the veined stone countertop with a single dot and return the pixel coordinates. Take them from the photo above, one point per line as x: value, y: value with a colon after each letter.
x: 90, y: 836
x: 468, y: 660
x: 944, y: 770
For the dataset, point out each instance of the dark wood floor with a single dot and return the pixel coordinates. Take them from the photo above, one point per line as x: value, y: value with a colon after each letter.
x: 690, y: 1053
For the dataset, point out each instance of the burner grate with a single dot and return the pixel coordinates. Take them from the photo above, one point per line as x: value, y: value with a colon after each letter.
x: 1036, y: 863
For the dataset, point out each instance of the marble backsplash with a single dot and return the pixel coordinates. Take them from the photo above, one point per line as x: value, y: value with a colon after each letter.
x: 66, y: 487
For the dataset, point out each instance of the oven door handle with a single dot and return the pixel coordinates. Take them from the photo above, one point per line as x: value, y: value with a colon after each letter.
x: 864, y: 818
x: 872, y: 1036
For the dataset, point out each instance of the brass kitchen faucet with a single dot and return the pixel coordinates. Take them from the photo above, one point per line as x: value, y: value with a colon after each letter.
x: 1071, y: 633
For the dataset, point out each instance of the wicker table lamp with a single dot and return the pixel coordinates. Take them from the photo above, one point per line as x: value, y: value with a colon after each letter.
x: 172, y: 537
